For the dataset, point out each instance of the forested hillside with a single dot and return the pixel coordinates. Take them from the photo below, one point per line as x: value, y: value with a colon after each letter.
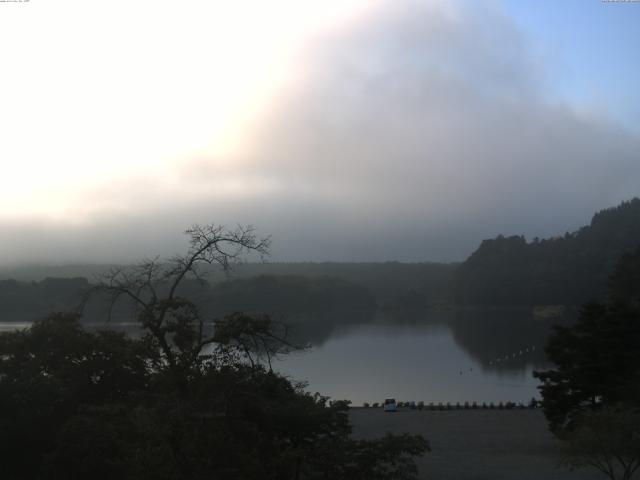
x: 277, y: 288
x: 288, y: 294
x: 27, y: 301
x: 389, y: 282
x: 571, y: 269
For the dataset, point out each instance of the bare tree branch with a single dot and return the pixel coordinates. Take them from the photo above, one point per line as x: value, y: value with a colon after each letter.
x: 152, y: 286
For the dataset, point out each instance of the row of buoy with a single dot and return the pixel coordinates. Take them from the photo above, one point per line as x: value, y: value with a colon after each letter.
x: 513, y: 355
x: 506, y: 358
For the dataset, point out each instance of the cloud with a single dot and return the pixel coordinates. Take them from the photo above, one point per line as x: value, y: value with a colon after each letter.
x: 424, y: 125
x: 410, y: 134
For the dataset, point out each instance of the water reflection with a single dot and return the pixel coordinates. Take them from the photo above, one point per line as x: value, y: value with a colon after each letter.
x: 480, y: 355
x: 498, y: 339
x: 503, y: 339
x: 409, y: 362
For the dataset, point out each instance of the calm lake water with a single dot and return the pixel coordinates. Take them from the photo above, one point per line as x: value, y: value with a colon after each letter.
x: 475, y: 355
x: 368, y: 363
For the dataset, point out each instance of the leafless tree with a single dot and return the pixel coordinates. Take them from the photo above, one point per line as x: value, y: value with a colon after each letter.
x: 175, y: 323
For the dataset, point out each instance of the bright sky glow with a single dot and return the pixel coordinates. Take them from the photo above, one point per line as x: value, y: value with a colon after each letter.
x: 97, y: 92
x: 344, y: 127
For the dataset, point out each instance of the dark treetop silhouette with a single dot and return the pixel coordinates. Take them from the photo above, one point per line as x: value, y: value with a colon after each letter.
x: 190, y: 399
x: 592, y: 397
x: 570, y: 269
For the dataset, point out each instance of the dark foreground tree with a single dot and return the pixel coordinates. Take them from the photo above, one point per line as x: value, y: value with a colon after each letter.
x: 193, y: 398
x: 592, y: 398
x: 598, y: 364
x: 607, y: 440
x: 597, y: 359
x: 51, y: 371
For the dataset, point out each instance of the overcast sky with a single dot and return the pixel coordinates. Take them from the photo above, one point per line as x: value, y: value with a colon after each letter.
x: 349, y: 130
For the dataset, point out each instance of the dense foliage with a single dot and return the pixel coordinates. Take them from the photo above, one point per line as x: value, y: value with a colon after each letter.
x: 54, y: 372
x: 607, y: 440
x: 569, y: 270
x: 100, y: 405
x: 193, y: 398
x: 597, y: 359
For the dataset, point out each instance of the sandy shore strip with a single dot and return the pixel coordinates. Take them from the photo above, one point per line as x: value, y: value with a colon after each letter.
x: 475, y: 444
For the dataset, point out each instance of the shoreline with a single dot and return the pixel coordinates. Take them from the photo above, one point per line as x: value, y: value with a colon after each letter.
x: 474, y: 445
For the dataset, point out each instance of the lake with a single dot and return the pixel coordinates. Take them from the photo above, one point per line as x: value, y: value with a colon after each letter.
x: 448, y: 356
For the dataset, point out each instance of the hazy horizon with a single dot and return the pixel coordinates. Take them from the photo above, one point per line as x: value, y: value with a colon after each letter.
x: 180, y: 249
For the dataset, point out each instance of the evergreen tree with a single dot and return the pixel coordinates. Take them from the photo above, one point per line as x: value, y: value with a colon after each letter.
x: 597, y: 360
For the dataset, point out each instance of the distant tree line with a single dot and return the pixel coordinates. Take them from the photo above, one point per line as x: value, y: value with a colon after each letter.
x: 569, y: 270
x: 390, y: 283
x: 280, y: 289
x: 28, y: 301
x: 289, y: 294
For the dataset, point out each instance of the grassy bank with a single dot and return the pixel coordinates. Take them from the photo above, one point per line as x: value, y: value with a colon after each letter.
x: 475, y: 444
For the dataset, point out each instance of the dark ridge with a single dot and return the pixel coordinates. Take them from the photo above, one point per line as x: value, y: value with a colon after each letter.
x: 570, y: 269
